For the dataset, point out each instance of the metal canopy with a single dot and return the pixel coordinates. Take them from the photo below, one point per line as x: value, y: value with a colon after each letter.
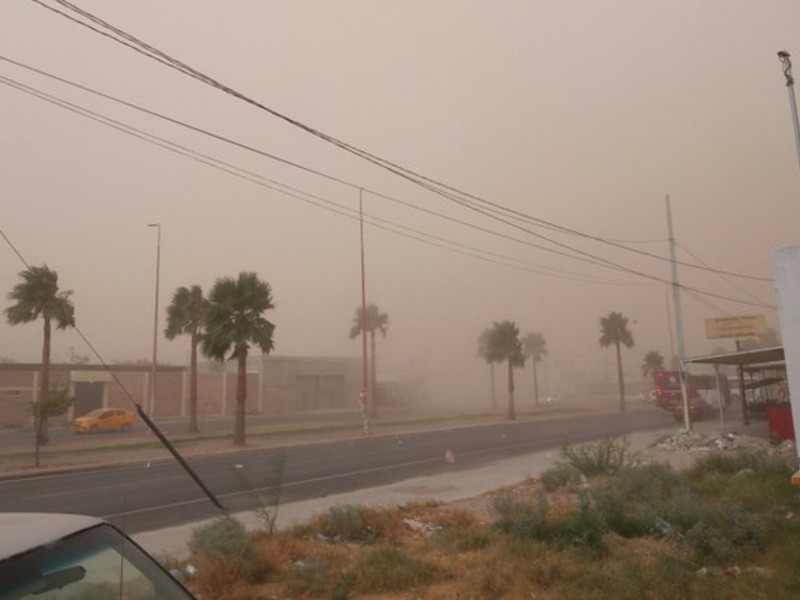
x: 758, y: 356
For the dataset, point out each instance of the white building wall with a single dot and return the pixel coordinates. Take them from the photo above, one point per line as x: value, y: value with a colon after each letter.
x: 786, y: 262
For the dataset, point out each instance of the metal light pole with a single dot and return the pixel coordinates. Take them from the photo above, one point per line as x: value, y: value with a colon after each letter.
x: 365, y: 397
x: 676, y: 302
x: 155, y: 322
x: 787, y: 72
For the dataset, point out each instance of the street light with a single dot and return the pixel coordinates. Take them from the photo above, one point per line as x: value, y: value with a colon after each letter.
x: 786, y: 61
x: 155, y: 322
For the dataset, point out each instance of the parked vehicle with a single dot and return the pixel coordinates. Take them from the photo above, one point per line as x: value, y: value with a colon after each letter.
x: 104, y: 419
x: 50, y: 556
x: 670, y: 397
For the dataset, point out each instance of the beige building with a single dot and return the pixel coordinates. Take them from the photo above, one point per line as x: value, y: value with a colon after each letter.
x: 274, y: 385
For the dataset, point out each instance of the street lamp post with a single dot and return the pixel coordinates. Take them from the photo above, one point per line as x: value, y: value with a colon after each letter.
x: 786, y: 61
x: 155, y: 322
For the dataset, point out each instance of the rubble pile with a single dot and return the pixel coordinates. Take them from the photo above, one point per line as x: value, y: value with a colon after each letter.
x: 697, y: 442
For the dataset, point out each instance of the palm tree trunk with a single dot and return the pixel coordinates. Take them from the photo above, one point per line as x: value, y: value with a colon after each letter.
x: 621, y: 379
x: 40, y: 424
x: 535, y: 384
x: 193, y: 387
x: 512, y: 415
x: 494, y: 395
x: 373, y: 382
x: 241, y: 398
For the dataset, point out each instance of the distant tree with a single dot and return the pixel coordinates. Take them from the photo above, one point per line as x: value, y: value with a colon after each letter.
x: 38, y: 296
x: 771, y: 337
x: 653, y: 363
x: 375, y: 321
x: 186, y: 315
x: 234, y: 321
x: 55, y: 403
x: 614, y: 332
x: 504, y: 343
x: 74, y: 358
x: 485, y: 351
x: 535, y: 348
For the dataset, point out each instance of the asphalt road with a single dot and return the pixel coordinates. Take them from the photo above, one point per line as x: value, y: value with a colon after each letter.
x: 145, y: 498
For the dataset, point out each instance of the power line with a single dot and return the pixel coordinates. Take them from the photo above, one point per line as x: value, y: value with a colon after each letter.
x: 320, y: 202
x: 352, y: 185
x: 720, y: 275
x: 225, y: 167
x: 462, y: 198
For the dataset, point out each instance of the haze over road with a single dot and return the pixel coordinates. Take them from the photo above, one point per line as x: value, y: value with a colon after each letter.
x: 150, y: 496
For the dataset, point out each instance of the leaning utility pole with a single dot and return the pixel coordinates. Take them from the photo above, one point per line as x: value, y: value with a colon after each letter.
x: 676, y: 302
x: 787, y: 72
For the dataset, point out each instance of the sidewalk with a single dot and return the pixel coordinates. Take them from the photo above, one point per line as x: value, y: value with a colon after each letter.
x: 446, y: 487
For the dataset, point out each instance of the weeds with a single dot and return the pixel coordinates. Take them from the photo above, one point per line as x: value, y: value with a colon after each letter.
x: 604, y: 457
x: 389, y: 569
x: 224, y: 538
x: 226, y: 554
x: 268, y: 497
x: 355, y: 523
x: 725, y: 529
x: 559, y: 476
x: 463, y: 540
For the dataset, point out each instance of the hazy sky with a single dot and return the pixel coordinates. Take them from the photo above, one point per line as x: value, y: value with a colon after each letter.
x: 582, y: 114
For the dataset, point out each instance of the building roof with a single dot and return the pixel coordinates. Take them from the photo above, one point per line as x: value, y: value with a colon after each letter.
x: 760, y: 357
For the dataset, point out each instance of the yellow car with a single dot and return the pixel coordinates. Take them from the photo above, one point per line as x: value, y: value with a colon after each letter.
x: 104, y: 419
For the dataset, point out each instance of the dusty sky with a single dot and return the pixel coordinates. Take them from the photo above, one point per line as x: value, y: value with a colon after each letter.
x: 582, y: 114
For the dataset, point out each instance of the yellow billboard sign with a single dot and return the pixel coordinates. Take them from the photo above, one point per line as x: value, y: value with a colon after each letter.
x: 735, y: 327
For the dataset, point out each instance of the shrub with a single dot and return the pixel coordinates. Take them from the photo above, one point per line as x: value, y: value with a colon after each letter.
x: 729, y: 463
x: 353, y: 523
x: 731, y: 534
x: 309, y: 576
x: 604, y: 457
x: 559, y: 476
x: 633, y: 500
x: 225, y: 539
x: 503, y: 507
x: 225, y: 553
x: 389, y: 569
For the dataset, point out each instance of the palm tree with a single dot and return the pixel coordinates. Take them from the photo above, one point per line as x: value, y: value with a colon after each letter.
x: 614, y: 331
x: 535, y: 347
x: 234, y: 321
x: 375, y: 321
x: 485, y: 352
x: 38, y: 296
x: 186, y: 315
x: 653, y: 363
x: 505, y: 345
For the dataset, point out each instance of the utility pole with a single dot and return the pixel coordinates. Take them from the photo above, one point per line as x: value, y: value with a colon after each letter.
x: 676, y: 302
x: 155, y: 322
x: 787, y: 72
x: 365, y: 397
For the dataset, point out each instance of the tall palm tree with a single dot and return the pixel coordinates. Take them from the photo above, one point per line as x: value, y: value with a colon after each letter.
x: 234, y: 321
x: 614, y: 331
x: 653, y: 363
x: 535, y: 348
x: 38, y: 296
x: 375, y: 321
x: 485, y: 351
x: 186, y: 315
x: 504, y: 343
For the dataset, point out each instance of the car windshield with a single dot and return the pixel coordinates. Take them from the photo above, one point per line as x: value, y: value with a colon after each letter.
x: 97, y: 563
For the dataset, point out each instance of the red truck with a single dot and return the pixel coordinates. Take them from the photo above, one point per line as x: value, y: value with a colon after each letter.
x: 670, y: 398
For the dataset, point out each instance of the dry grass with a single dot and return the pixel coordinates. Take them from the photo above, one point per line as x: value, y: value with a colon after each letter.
x: 470, y: 550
